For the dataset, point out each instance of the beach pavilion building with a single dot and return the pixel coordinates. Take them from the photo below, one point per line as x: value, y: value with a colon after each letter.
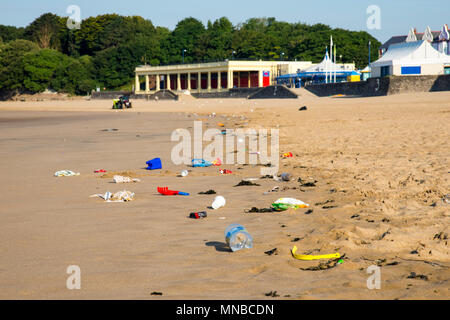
x: 211, y: 76
x: 324, y: 72
x: 411, y: 58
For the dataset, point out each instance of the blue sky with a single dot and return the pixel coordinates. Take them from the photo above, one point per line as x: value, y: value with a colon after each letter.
x: 397, y: 16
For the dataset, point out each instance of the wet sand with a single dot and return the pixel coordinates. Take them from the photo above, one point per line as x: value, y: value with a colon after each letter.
x: 380, y: 166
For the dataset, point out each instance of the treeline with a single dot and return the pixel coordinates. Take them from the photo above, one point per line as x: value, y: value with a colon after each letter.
x: 105, y: 50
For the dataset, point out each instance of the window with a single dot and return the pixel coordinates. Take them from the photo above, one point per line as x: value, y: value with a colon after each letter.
x: 385, y: 71
x: 447, y: 70
x: 412, y: 70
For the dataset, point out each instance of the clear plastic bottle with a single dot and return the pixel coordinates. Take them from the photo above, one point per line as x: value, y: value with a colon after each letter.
x: 237, y: 237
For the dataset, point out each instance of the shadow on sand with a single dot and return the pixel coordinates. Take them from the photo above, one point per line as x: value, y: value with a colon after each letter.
x: 220, y: 246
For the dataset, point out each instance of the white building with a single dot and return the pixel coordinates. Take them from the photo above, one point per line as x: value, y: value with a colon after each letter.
x: 440, y: 40
x: 411, y: 58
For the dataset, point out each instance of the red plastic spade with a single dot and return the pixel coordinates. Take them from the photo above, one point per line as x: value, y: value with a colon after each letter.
x: 165, y: 191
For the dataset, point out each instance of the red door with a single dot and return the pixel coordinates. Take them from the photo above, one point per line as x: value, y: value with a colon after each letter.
x: 266, y: 78
x: 244, y: 79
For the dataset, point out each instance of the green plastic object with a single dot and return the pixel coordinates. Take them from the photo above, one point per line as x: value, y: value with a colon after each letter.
x: 281, y: 206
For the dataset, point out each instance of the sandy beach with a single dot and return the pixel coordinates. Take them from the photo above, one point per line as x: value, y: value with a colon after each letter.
x: 380, y: 167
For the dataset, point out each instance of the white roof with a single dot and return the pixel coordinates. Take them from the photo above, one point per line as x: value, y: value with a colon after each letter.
x: 325, y: 65
x: 412, y: 54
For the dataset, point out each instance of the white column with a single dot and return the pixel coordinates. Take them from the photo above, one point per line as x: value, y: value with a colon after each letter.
x: 189, y: 81
x: 147, y: 84
x: 168, y: 82
x: 199, y: 82
x: 178, y: 82
x: 137, y: 86
x: 249, y: 82
x: 158, y: 81
x: 219, y: 81
x: 230, y: 79
x: 209, y: 80
x: 260, y: 78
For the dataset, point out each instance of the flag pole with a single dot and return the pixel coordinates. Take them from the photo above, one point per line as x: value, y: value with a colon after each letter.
x: 335, y: 64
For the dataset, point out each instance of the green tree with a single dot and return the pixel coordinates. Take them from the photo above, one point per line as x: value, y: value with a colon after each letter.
x: 186, y: 36
x: 216, y: 42
x: 10, y: 33
x: 40, y: 67
x: 12, y: 73
x: 46, y: 31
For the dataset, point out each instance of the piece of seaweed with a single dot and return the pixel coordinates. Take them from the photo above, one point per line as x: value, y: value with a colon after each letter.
x: 246, y: 183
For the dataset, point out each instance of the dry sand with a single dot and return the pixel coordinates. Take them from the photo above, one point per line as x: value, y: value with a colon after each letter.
x: 381, y: 163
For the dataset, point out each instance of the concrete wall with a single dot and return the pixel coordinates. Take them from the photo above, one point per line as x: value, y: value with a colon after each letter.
x: 331, y: 89
x: 109, y: 95
x: 270, y: 92
x: 383, y: 86
x: 232, y: 93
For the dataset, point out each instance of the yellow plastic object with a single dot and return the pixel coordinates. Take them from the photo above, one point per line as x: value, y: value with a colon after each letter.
x: 314, y: 257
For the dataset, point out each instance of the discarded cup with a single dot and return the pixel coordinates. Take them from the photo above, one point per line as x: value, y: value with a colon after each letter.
x: 286, y: 176
x: 184, y: 173
x: 237, y: 237
x: 218, y: 202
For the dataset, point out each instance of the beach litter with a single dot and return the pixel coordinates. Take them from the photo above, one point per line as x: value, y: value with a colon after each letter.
x: 166, y: 192
x: 218, y: 202
x: 255, y: 209
x: 246, y: 183
x: 274, y: 189
x: 446, y: 198
x: 286, y: 176
x: 100, y: 171
x: 201, y: 163
x: 271, y: 252
x: 284, y: 204
x: 287, y: 155
x: 325, y: 265
x: 307, y: 184
x: 120, y: 196
x: 154, y: 164
x: 184, y: 173
x: 272, y: 294
x: 198, y: 215
x: 66, y: 173
x: 122, y: 179
x: 208, y: 192
x: 110, y: 130
x: 237, y: 237
x: 225, y: 171
x: 307, y: 257
x: 303, y: 108
x: 413, y: 275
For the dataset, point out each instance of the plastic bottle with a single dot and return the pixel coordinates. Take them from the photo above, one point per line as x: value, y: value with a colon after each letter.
x: 237, y: 237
